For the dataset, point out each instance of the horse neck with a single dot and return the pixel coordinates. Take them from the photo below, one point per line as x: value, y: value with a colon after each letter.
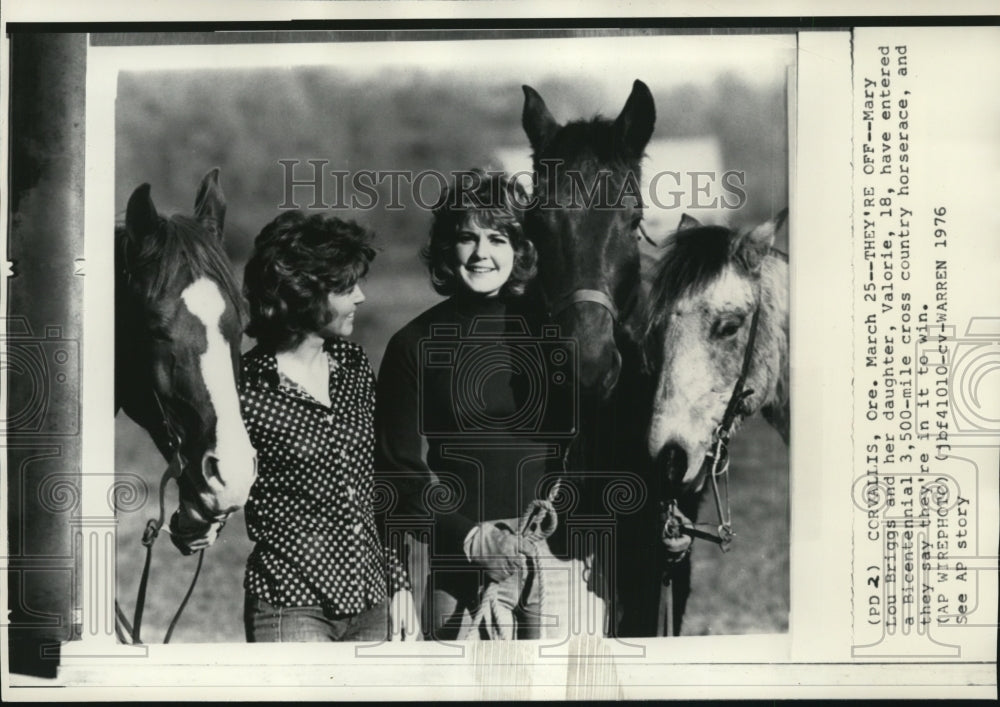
x: 771, y: 350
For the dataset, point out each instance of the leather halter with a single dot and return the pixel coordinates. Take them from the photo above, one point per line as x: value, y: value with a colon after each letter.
x: 600, y: 297
x: 586, y: 295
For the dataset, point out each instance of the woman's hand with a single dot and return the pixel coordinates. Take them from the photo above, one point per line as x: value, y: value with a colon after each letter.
x: 496, y: 548
x: 676, y: 543
x: 403, y: 623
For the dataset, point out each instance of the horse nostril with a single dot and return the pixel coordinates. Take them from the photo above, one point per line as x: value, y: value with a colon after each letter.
x: 672, y: 460
x: 210, y: 467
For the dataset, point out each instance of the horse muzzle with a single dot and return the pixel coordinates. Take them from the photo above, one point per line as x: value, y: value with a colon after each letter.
x: 672, y: 462
x: 223, y: 486
x: 681, y: 467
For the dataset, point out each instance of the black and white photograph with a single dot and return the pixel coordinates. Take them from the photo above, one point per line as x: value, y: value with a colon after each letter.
x: 568, y: 361
x: 356, y: 146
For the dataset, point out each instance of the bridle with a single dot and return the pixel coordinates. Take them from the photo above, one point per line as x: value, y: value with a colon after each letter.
x: 716, y: 463
x: 171, y: 441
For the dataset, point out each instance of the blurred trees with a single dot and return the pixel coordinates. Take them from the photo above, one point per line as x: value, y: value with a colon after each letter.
x: 173, y: 126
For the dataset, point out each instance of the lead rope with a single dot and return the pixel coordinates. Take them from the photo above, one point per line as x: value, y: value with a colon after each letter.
x: 133, y: 630
x: 537, y: 524
x: 149, y: 535
x: 153, y: 527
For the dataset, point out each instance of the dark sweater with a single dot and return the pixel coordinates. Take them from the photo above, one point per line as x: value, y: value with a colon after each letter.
x: 456, y: 408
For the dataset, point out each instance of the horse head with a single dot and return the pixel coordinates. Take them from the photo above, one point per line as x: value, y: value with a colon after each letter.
x: 585, y: 221
x: 710, y: 285
x: 178, y: 332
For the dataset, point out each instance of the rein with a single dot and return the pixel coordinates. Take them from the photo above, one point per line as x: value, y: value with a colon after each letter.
x: 175, y: 468
x: 538, y: 523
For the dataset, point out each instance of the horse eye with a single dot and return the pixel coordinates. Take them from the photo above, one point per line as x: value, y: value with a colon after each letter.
x: 725, y: 327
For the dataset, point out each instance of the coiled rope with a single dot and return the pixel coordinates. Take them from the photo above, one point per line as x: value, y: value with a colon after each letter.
x: 494, y: 616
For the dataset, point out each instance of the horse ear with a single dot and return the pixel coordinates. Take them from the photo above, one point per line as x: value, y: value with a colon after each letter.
x: 210, y: 204
x: 752, y: 247
x: 634, y: 126
x: 688, y: 222
x: 141, y: 219
x: 538, y: 123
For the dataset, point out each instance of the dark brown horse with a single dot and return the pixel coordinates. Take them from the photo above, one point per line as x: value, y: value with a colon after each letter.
x: 585, y: 224
x: 585, y: 221
x: 178, y: 328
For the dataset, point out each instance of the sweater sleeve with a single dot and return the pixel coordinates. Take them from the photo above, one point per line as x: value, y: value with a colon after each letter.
x: 400, y: 448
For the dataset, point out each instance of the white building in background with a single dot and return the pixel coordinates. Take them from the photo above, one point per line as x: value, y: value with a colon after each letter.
x: 678, y: 176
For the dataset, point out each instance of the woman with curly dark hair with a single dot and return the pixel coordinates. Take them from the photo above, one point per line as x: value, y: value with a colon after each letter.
x: 446, y: 424
x: 319, y: 570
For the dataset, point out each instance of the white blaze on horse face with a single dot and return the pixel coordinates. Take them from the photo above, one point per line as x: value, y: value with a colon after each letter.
x: 233, y: 449
x: 698, y: 371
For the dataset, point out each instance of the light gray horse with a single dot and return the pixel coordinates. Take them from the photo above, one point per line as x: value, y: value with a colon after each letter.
x: 708, y: 284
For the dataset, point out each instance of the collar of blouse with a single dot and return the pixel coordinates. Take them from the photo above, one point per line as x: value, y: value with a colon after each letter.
x: 260, y: 367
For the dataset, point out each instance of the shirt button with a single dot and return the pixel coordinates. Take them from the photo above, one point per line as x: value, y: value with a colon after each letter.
x: 350, y: 492
x: 357, y: 528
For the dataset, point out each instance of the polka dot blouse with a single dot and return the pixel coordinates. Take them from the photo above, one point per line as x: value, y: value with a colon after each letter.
x: 310, y: 510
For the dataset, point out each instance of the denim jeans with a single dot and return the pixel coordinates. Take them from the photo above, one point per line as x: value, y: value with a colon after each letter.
x: 266, y: 623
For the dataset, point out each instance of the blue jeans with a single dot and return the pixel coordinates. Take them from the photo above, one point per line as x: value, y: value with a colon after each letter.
x: 266, y: 623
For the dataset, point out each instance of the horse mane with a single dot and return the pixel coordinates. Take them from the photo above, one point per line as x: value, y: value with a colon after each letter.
x: 181, y: 249
x: 691, y: 258
x: 589, y: 140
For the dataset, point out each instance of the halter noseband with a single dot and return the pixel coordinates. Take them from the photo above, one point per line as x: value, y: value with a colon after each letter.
x: 586, y: 295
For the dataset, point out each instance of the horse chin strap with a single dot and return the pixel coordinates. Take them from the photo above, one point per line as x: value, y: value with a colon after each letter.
x: 716, y: 462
